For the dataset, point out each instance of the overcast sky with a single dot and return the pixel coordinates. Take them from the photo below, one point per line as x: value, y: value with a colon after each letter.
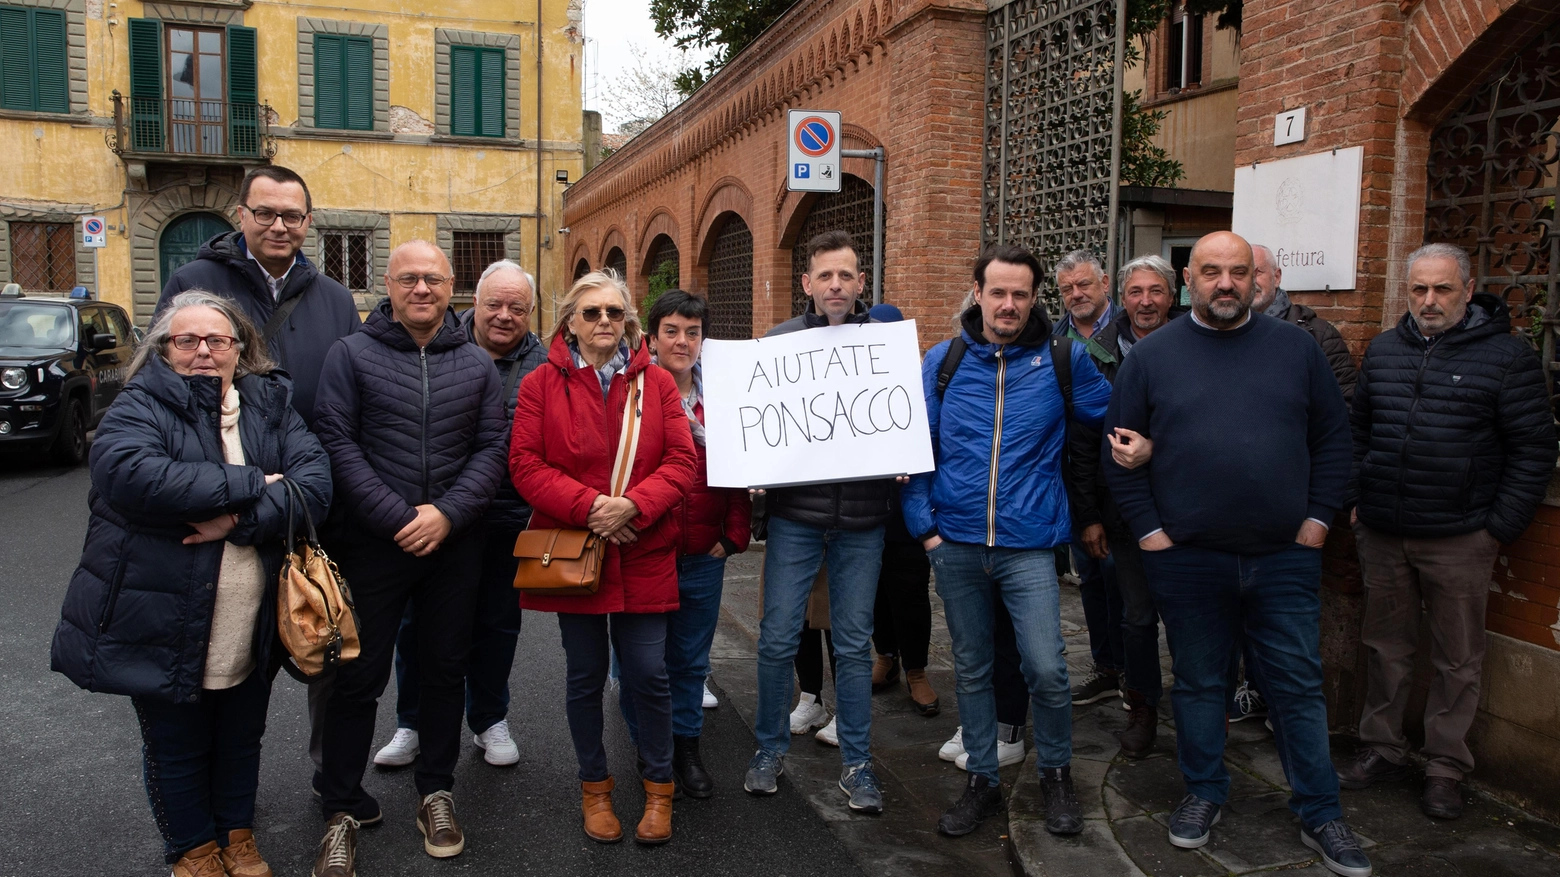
x: 611, y: 27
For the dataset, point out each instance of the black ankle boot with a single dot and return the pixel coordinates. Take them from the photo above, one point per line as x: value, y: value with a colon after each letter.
x: 688, y: 768
x: 1062, y: 813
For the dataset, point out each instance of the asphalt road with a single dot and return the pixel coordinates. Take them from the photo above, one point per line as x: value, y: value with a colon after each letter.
x: 72, y: 803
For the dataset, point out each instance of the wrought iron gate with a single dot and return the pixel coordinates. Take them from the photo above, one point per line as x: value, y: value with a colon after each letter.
x: 1493, y: 172
x: 663, y: 250
x: 731, y: 282
x: 1050, y: 97
x: 849, y: 209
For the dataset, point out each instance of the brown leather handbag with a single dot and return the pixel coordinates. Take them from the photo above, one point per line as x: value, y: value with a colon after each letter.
x: 315, y: 617
x: 562, y: 562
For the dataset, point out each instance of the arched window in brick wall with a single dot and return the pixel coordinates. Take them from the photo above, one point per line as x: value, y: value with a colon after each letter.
x: 849, y: 209
x: 616, y: 261
x: 662, y: 268
x: 581, y: 268
x: 731, y: 281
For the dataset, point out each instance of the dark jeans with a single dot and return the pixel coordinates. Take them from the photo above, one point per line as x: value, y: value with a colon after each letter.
x: 1206, y: 599
x: 690, y: 631
x: 493, y: 640
x: 1101, y: 607
x: 442, y: 590
x: 201, y: 762
x: 1007, y: 675
x: 902, y: 616
x: 809, y: 659
x: 1138, y: 629
x: 640, y: 644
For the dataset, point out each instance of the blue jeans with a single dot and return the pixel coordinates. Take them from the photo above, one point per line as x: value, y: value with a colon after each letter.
x: 791, y: 561
x: 640, y: 641
x: 1101, y: 607
x: 689, y: 632
x: 972, y: 579
x: 1208, y: 599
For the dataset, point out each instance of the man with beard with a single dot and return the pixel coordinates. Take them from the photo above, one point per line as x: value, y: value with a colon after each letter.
x: 1250, y: 464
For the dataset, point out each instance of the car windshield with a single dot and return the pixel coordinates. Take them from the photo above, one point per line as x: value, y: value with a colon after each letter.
x: 35, y: 324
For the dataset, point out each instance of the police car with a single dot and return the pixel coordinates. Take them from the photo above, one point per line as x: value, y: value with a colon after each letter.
x: 62, y: 363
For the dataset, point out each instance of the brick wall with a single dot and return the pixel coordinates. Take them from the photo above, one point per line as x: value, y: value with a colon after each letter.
x: 1525, y: 592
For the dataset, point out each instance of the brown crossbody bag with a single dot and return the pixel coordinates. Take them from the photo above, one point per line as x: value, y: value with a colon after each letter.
x: 567, y: 562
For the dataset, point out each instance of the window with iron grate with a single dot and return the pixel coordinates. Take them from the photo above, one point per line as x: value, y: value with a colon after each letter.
x: 474, y: 251
x: 43, y: 256
x: 348, y: 258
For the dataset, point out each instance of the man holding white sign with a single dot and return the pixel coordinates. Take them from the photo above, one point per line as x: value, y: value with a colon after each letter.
x: 989, y: 517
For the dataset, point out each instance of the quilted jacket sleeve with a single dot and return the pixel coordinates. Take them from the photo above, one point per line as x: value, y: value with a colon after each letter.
x: 1526, y: 426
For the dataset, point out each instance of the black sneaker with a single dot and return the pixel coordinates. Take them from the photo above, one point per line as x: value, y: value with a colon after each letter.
x: 1339, y: 849
x: 1099, y: 685
x: 981, y: 798
x: 1248, y: 704
x: 1193, y: 818
x: 1062, y: 813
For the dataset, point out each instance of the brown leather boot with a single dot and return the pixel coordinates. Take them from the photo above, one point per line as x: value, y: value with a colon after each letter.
x: 885, y: 672
x: 921, y: 693
x: 601, y: 824
x: 241, y: 858
x: 203, y: 861
x: 1137, y: 739
x: 656, y: 826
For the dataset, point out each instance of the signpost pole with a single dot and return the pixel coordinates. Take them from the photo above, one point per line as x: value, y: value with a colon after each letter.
x: 878, y: 157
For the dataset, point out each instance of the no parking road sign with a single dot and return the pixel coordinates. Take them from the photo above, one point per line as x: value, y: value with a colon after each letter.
x: 93, y: 232
x: 813, y: 151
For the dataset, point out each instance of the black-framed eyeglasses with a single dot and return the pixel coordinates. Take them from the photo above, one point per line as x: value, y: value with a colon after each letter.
x: 267, y: 217
x: 409, y: 281
x: 214, y: 343
x: 593, y: 315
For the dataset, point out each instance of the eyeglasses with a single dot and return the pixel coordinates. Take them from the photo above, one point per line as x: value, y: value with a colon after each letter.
x: 214, y: 343
x: 267, y: 217
x: 409, y: 281
x: 593, y: 315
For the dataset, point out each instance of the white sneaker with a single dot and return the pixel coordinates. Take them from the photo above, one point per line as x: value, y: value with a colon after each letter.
x: 400, y: 751
x: 710, y: 700
x: 498, y: 748
x: 827, y: 734
x: 954, y: 748
x: 1007, y: 753
x: 809, y: 714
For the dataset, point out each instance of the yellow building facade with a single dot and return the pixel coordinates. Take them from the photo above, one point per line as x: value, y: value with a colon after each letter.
x: 449, y: 121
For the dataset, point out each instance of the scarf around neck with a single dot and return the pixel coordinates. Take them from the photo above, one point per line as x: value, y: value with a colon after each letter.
x: 692, y: 401
x: 617, y: 363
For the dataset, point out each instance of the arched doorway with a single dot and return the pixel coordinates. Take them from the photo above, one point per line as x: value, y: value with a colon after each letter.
x: 849, y: 209
x: 731, y: 281
x: 616, y: 261
x: 182, y: 238
x: 581, y: 268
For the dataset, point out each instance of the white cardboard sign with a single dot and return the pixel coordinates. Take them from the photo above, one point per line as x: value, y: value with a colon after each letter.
x: 1307, y: 211
x: 838, y: 403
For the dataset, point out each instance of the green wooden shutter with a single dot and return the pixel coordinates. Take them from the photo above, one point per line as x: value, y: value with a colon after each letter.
x: 146, y: 85
x: 51, y: 62
x: 16, y: 78
x: 243, y: 87
x: 358, y: 84
x: 491, y: 88
x: 327, y: 81
x: 463, y: 90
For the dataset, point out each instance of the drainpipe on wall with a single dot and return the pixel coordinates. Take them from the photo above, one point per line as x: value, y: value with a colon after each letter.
x: 537, y: 292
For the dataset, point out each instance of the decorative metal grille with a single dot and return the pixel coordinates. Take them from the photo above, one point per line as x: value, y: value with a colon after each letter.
x: 348, y: 258
x: 663, y: 251
x: 731, y: 282
x: 849, y: 209
x: 1492, y: 186
x: 1050, y: 96
x: 616, y: 261
x: 43, y: 256
x: 474, y: 251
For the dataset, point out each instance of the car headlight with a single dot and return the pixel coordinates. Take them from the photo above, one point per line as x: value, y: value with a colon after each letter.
x: 13, y: 378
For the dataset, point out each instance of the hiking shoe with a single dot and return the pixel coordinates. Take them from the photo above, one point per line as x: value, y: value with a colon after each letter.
x: 828, y: 734
x: 861, y: 784
x: 1369, y: 766
x: 763, y: 773
x: 1097, y: 686
x: 442, y: 836
x: 498, y: 748
x: 1339, y: 849
x: 337, y: 856
x: 1441, y: 798
x: 809, y: 714
x: 1193, y: 818
x: 1063, y: 815
x: 1007, y: 753
x: 400, y: 751
x: 1248, y: 704
x: 954, y: 748
x: 203, y: 861
x: 981, y: 798
x: 241, y: 858
x: 710, y: 700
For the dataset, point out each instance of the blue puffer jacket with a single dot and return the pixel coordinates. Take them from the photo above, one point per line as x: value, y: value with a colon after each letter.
x: 406, y: 425
x: 1020, y: 502
x: 138, y: 610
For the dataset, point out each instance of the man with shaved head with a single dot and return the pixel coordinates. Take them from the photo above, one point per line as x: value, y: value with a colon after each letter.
x: 1251, y: 459
x: 411, y: 415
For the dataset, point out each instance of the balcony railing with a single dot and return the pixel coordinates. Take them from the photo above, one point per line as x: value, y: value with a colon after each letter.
x: 191, y: 127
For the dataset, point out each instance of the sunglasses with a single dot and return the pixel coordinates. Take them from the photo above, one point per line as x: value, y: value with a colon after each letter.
x: 593, y: 315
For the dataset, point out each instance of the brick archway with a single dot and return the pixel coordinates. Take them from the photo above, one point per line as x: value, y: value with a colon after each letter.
x: 146, y: 228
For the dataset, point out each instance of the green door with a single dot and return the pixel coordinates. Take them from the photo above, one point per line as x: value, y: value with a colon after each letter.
x: 182, y: 238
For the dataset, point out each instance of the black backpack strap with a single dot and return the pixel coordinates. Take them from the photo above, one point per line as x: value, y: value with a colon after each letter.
x: 278, y: 317
x: 1061, y: 361
x: 950, y: 364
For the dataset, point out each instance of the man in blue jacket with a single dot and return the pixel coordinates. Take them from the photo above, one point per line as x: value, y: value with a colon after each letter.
x: 992, y: 512
x: 1251, y: 458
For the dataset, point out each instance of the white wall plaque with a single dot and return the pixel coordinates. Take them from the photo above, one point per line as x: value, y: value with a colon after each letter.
x: 1289, y: 127
x: 1307, y: 211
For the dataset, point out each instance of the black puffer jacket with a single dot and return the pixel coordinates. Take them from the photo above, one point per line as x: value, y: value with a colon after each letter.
x: 509, y: 513
x: 1455, y: 436
x: 1327, y: 335
x: 844, y: 505
x: 326, y: 311
x: 138, y: 610
x: 406, y: 425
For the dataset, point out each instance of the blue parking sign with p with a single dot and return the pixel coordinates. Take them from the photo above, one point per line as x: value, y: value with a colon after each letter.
x: 803, y: 170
